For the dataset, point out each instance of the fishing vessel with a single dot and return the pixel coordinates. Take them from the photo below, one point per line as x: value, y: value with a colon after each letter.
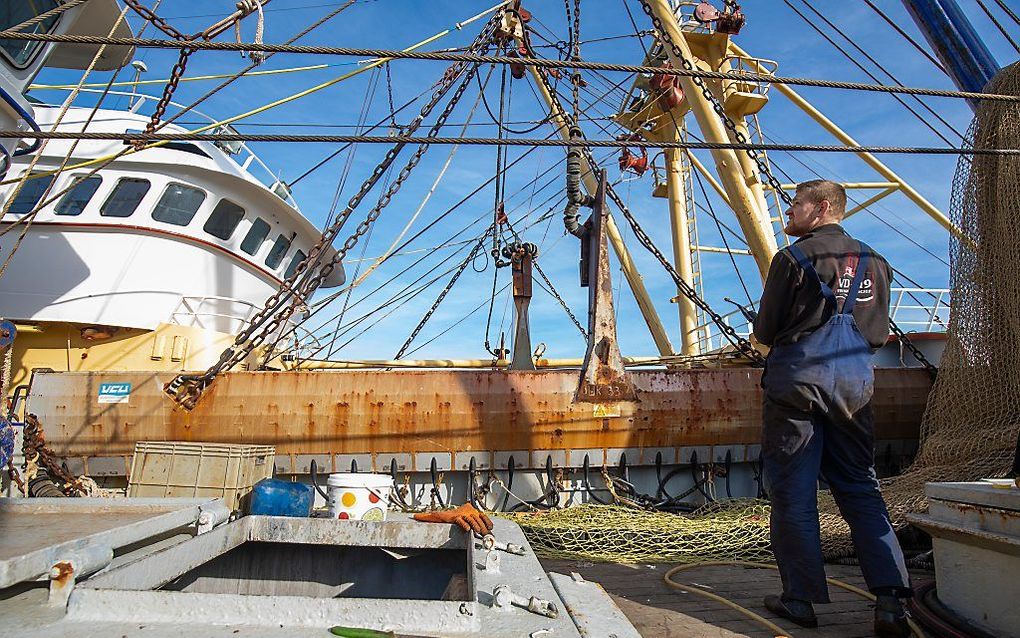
x: 189, y: 298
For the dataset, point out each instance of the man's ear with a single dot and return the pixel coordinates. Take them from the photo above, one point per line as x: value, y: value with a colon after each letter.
x: 824, y: 208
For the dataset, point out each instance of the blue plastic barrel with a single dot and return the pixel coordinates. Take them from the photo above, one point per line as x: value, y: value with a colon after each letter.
x: 273, y: 497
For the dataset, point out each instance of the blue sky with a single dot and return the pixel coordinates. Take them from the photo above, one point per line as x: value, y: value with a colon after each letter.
x: 773, y: 31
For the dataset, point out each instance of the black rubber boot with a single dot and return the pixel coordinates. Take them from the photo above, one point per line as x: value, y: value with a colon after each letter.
x: 890, y: 618
x: 799, y: 611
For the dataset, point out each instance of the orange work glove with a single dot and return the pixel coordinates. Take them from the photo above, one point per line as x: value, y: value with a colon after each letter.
x: 466, y: 517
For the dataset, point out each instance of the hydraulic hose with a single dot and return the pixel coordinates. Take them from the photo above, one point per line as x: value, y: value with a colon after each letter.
x: 939, y: 619
x: 25, y: 115
x: 314, y: 471
x: 571, y: 214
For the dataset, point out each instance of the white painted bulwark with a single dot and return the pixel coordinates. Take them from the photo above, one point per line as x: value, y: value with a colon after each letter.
x: 975, y: 529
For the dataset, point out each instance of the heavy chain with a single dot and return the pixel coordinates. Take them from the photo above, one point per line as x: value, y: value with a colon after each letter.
x: 575, y: 54
x: 176, y: 73
x: 168, y: 93
x: 738, y: 135
x: 914, y: 350
x: 745, y: 347
x: 277, y: 310
x: 150, y: 16
x: 562, y: 302
x: 442, y: 295
x: 759, y: 158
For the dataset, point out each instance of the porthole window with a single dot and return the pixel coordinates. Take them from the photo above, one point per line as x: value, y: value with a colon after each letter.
x: 76, y: 199
x: 294, y: 263
x: 256, y: 235
x: 178, y: 204
x: 224, y: 219
x: 126, y: 196
x: 276, y: 253
x: 31, y: 192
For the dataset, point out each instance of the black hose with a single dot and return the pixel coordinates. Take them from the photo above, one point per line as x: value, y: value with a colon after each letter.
x: 396, y: 495
x: 658, y: 475
x: 472, y: 486
x: 694, y: 476
x: 509, y: 482
x: 571, y: 214
x: 313, y: 469
x: 759, y: 470
x: 928, y: 610
x: 552, y: 494
x: 435, y: 482
x: 729, y: 468
x: 587, y: 483
x: 42, y: 486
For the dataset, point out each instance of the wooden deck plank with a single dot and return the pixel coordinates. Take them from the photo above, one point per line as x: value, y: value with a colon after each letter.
x: 658, y: 611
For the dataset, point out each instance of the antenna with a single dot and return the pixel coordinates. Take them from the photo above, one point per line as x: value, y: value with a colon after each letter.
x: 139, y: 68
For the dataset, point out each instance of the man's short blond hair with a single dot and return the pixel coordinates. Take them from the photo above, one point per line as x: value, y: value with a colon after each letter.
x: 822, y: 189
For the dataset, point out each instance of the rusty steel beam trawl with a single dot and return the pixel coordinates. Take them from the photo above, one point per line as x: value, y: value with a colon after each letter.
x: 603, y: 378
x: 520, y: 267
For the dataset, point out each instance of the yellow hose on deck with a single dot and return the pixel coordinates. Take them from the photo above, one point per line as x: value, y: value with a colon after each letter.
x: 779, y: 631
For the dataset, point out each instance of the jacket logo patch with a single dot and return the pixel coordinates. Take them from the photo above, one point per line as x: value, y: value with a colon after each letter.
x: 866, y: 293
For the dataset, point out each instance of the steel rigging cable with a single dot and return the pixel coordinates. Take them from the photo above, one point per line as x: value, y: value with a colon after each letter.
x: 869, y: 73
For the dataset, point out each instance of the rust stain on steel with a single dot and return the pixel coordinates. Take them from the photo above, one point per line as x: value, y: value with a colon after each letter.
x: 406, y: 411
x: 603, y: 377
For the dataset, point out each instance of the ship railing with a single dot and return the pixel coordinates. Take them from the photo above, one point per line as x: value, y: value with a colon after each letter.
x: 920, y: 309
x: 685, y: 19
x: 194, y: 311
x: 913, y: 309
x: 238, y: 152
x: 746, y: 64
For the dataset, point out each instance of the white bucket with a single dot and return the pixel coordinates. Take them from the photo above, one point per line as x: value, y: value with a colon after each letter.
x: 359, y: 496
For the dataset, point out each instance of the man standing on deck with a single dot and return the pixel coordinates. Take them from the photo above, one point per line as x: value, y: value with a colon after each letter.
x: 824, y: 311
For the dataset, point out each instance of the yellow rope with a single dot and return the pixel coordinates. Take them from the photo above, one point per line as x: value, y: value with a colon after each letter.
x: 197, y: 78
x: 281, y: 101
x: 779, y: 631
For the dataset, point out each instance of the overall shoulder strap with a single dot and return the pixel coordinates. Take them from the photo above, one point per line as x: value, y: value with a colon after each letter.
x: 855, y: 286
x: 809, y: 269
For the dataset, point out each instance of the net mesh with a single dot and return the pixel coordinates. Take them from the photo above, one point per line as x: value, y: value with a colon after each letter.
x: 734, y: 530
x: 968, y: 431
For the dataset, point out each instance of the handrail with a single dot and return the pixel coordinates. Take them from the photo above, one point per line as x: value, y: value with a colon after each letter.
x: 918, y: 316
x: 25, y: 115
x: 248, y: 160
x: 304, y: 339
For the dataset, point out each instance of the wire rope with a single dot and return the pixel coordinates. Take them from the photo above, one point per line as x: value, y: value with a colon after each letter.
x: 906, y: 36
x: 871, y: 75
x: 998, y: 25
x: 385, y: 54
x: 722, y: 235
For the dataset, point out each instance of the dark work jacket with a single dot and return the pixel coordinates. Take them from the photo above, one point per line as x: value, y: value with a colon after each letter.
x: 792, y: 305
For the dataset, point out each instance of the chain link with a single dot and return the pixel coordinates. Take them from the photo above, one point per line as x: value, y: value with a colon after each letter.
x: 150, y: 16
x: 442, y: 295
x: 744, y: 346
x: 277, y: 310
x: 575, y: 54
x: 562, y: 302
x: 175, y: 74
x: 731, y: 126
x: 914, y: 350
x: 759, y: 158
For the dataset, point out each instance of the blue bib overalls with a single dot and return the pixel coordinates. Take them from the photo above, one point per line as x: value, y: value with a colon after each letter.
x: 817, y: 422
